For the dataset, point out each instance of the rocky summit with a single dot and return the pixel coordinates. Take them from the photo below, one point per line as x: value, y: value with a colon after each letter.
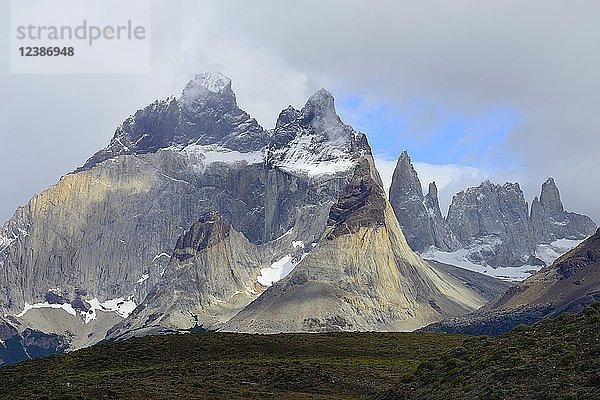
x: 492, y: 221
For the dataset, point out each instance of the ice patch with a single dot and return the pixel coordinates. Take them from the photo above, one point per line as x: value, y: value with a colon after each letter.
x: 459, y: 258
x: 143, y: 278
x: 548, y: 253
x: 279, y: 269
x: 6, y: 241
x: 123, y: 307
x: 317, y: 168
x: 67, y: 307
x: 298, y: 243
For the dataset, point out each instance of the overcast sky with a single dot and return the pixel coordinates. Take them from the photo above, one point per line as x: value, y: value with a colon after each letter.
x: 508, y: 90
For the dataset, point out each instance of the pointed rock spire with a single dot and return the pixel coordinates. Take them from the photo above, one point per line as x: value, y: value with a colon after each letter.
x: 405, y: 181
x: 549, y: 221
x: 550, y: 197
x: 419, y: 216
x: 321, y: 102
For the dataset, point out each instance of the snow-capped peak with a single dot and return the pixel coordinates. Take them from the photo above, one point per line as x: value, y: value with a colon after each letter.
x: 214, y: 82
x: 211, y: 87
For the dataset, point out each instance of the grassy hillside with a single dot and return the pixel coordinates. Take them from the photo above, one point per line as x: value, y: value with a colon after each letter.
x: 554, y: 359
x: 228, y: 366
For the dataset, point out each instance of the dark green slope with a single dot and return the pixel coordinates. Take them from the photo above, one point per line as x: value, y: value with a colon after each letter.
x: 228, y: 366
x: 553, y: 359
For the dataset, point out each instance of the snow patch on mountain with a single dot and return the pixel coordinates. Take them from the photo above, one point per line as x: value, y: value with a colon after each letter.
x: 6, y: 241
x: 307, y: 155
x: 160, y: 255
x: 280, y: 268
x: 67, y: 307
x: 277, y: 271
x: 123, y: 307
x: 143, y: 278
x: 459, y: 258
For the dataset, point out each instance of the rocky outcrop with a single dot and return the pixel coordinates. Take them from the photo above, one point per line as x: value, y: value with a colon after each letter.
x: 549, y: 221
x: 212, y: 275
x: 361, y: 275
x: 491, y: 221
x: 444, y: 238
x: 419, y: 216
x: 19, y: 344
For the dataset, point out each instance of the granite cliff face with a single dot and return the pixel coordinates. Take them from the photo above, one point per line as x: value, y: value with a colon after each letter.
x: 419, y: 216
x: 360, y: 276
x: 492, y: 222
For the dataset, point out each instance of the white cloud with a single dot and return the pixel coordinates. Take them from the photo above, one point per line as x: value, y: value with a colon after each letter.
x: 460, y: 55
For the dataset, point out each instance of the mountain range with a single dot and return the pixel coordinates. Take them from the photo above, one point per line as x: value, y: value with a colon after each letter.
x: 196, y: 218
x: 489, y: 228
x: 193, y: 217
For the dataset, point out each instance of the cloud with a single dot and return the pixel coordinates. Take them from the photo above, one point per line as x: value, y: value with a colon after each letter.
x: 430, y: 62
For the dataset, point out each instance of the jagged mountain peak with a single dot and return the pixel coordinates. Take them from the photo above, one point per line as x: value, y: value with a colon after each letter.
x: 319, y: 111
x: 323, y: 100
x: 550, y: 221
x: 419, y: 216
x: 314, y: 140
x: 405, y: 180
x: 405, y: 157
x: 206, y: 113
